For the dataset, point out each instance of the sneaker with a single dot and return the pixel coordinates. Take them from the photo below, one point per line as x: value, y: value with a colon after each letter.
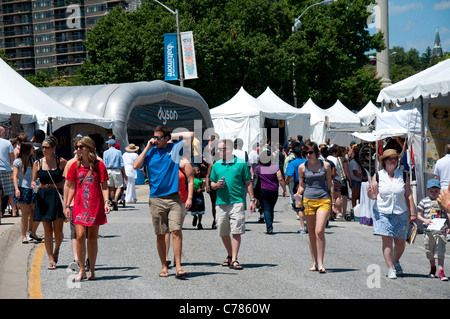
x: 432, y: 273
x: 194, y: 221
x: 391, y: 273
x: 398, y: 268
x: 28, y: 235
x: 301, y: 231
x: 199, y: 226
x: 442, y: 276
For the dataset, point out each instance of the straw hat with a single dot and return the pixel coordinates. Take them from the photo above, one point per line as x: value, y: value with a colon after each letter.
x: 388, y: 153
x: 132, y: 148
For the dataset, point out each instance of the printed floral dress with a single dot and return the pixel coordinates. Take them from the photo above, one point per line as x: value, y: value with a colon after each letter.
x: 89, y: 207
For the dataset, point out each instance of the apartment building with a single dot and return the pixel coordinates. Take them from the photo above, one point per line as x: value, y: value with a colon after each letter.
x: 49, y: 34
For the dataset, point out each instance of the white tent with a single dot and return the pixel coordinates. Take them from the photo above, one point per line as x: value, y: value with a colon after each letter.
x: 6, y: 111
x: 297, y: 121
x: 318, y: 121
x: 428, y: 94
x: 429, y: 83
x: 340, y: 117
x: 341, y: 123
x: 239, y: 117
x: 368, y: 113
x: 20, y: 94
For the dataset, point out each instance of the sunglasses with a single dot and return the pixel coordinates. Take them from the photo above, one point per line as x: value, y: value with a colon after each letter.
x: 158, y: 137
x: 393, y: 158
x: 46, y: 147
x: 79, y: 147
x: 309, y: 152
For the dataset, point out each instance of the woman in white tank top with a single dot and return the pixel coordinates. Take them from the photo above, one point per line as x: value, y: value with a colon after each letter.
x: 394, y: 202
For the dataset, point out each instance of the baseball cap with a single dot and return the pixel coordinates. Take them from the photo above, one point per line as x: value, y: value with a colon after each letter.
x: 111, y: 142
x: 433, y: 183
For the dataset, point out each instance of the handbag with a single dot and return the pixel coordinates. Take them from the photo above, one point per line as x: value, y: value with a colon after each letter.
x: 256, y: 183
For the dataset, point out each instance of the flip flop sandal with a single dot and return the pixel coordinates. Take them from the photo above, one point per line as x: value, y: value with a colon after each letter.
x: 236, y: 266
x: 227, y: 262
x: 180, y: 274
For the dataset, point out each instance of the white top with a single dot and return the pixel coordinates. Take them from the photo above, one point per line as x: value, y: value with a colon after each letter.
x: 128, y: 159
x: 391, y: 194
x: 337, y: 165
x: 442, y: 169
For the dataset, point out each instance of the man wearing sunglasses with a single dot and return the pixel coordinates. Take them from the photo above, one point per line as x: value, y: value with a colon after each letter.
x: 162, y: 159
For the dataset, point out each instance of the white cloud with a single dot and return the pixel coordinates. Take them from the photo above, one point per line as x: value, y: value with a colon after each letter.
x: 444, y: 30
x: 395, y: 9
x: 443, y: 5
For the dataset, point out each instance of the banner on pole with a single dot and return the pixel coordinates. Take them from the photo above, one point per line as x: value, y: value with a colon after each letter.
x: 187, y: 49
x: 170, y: 57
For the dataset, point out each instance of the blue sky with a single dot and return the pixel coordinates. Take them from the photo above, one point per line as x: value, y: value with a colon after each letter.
x: 412, y: 24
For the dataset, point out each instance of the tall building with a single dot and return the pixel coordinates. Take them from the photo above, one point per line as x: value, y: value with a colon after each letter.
x: 49, y: 34
x: 437, y: 48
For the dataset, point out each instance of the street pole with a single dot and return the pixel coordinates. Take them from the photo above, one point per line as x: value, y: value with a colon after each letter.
x: 180, y: 60
x: 295, y: 27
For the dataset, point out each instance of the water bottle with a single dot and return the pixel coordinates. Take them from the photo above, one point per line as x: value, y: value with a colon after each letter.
x: 38, y: 183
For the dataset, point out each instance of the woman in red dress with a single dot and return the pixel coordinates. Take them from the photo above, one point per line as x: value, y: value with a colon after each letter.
x: 87, y: 182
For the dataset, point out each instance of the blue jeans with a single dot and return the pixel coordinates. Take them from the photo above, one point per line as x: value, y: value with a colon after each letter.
x: 268, y: 201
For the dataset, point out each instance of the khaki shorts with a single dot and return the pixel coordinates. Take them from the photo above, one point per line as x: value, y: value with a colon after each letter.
x: 115, y: 178
x: 434, y: 245
x: 230, y: 219
x: 314, y: 205
x: 166, y: 213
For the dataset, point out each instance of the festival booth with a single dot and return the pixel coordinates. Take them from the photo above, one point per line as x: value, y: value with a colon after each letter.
x: 318, y: 121
x: 368, y: 113
x: 37, y: 109
x: 341, y: 124
x: 417, y: 108
x: 137, y: 108
x: 239, y: 117
x: 283, y: 115
x: 252, y: 119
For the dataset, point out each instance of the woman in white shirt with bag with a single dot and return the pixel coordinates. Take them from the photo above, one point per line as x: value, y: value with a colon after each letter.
x: 128, y: 159
x: 393, y: 208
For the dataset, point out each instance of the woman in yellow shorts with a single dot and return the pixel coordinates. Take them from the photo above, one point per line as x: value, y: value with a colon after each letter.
x: 315, y: 187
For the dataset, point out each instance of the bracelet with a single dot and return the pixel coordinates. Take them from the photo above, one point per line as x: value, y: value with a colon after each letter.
x: 190, y: 197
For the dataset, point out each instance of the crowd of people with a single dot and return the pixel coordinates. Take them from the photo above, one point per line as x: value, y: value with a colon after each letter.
x: 320, y: 180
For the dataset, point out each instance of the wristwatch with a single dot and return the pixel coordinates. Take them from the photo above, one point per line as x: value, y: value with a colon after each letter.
x: 253, y: 199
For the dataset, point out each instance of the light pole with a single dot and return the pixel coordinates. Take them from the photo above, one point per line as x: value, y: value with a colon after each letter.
x: 180, y: 61
x: 295, y: 28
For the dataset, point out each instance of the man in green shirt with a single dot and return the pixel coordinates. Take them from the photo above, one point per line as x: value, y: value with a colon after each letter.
x: 229, y: 177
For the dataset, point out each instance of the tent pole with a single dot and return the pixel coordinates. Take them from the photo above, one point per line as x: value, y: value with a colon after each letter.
x: 424, y: 145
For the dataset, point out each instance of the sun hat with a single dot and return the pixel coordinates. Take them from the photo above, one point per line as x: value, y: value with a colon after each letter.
x: 131, y: 148
x: 388, y: 153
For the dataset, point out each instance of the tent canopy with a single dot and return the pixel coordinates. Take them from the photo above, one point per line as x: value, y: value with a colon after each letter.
x: 429, y: 83
x: 6, y: 111
x: 339, y: 116
x: 20, y: 94
x: 243, y: 116
x: 368, y: 113
x: 274, y: 107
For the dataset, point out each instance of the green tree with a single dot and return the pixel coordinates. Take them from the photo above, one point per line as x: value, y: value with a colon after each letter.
x: 243, y: 43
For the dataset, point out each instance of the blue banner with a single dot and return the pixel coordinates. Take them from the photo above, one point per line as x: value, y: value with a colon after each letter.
x: 170, y: 57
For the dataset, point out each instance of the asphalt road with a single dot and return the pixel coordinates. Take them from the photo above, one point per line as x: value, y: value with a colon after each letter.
x: 275, y: 266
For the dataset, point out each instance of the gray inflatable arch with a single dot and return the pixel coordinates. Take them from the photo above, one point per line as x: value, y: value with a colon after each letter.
x: 138, y: 107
